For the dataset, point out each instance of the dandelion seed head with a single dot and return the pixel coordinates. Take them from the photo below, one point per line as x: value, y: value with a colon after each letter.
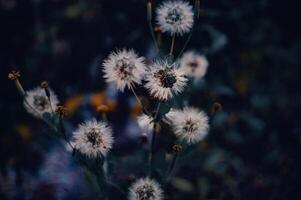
x: 93, y: 138
x: 175, y: 17
x: 189, y: 124
x: 145, y: 189
x: 164, y: 80
x: 194, y: 65
x: 145, y: 122
x: 124, y: 68
x: 37, y: 103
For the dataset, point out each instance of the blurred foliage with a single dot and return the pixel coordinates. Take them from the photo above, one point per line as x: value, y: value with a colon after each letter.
x: 253, y: 47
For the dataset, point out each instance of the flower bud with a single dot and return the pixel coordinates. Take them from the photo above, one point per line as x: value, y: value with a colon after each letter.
x: 216, y: 107
x: 13, y: 75
x: 177, y: 148
x: 44, y: 84
x: 62, y: 111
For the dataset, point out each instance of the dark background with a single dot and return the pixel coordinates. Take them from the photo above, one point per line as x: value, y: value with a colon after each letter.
x: 253, y: 47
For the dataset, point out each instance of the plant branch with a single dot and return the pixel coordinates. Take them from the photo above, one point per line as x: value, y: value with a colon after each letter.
x: 149, y: 22
x: 173, y: 40
x: 139, y: 101
x: 196, y: 19
x: 153, y: 138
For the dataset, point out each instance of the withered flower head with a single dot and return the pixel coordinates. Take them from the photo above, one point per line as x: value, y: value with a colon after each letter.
x: 62, y: 111
x: 13, y: 75
x: 177, y: 148
x: 44, y: 84
x: 216, y: 107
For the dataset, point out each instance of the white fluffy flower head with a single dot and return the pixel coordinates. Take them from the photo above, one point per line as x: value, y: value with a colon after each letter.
x: 145, y: 189
x: 145, y: 122
x: 194, y: 64
x: 93, y: 138
x: 124, y: 68
x: 190, y: 124
x: 175, y: 17
x: 37, y: 103
x: 165, y: 80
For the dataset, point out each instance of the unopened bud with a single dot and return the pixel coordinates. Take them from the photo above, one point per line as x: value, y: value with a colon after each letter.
x: 44, y: 84
x: 177, y: 148
x: 216, y: 107
x: 61, y: 111
x: 14, y: 75
x: 131, y: 177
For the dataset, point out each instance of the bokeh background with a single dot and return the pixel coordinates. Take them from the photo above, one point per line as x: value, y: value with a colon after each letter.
x: 253, y: 149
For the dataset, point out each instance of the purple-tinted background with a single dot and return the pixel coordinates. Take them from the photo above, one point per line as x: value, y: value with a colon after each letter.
x: 253, y: 47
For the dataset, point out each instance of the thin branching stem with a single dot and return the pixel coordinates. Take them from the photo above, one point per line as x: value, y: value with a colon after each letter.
x: 171, y: 167
x: 20, y: 87
x: 114, y: 185
x: 153, y: 138
x: 51, y: 108
x: 150, y: 25
x: 157, y: 110
x: 196, y: 19
x: 102, y: 185
x: 63, y: 132
x: 139, y: 101
x: 104, y: 117
x: 172, y: 46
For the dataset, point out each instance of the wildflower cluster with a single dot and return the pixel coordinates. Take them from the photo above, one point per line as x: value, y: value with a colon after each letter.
x: 164, y: 79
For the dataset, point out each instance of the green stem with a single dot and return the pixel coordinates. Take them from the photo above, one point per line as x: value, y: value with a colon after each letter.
x: 149, y: 22
x: 171, y: 167
x: 152, y: 144
x: 116, y: 187
x: 196, y: 19
x: 102, y: 185
x: 99, y: 172
x: 20, y: 88
x: 140, y: 102
x: 173, y: 40
x: 63, y: 131
x: 47, y: 92
x: 41, y: 117
x: 157, y: 111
